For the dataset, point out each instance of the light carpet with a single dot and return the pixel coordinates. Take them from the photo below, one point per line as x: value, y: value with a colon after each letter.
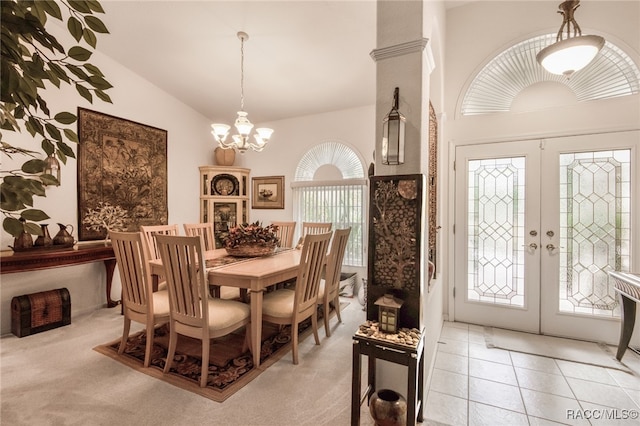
x: 591, y: 353
x: 230, y: 368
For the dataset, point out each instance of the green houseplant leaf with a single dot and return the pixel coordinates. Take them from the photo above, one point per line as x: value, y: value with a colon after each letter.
x: 31, y: 56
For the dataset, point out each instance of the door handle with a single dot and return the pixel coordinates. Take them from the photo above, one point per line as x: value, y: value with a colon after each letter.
x: 551, y: 247
x: 532, y: 246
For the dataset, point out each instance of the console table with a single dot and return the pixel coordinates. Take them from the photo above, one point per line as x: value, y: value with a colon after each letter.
x: 412, y: 357
x: 627, y: 285
x: 26, y: 261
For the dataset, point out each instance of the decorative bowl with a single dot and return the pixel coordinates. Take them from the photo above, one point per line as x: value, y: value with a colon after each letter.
x: 251, y: 250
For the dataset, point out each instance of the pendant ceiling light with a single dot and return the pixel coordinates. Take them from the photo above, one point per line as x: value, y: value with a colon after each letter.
x: 566, y: 56
x: 241, y: 141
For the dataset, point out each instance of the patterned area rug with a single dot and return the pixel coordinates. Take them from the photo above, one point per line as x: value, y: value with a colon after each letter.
x: 230, y: 368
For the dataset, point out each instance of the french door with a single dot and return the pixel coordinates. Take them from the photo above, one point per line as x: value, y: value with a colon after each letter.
x: 538, y: 224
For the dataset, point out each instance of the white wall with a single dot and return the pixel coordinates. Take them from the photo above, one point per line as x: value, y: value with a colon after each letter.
x: 189, y: 141
x: 293, y: 137
x: 291, y: 140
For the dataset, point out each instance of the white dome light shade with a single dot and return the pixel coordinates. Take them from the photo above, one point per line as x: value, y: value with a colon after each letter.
x: 568, y: 56
x: 242, y: 124
x: 220, y: 131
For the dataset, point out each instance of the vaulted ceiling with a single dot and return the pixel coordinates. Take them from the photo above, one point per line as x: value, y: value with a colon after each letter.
x: 302, y: 57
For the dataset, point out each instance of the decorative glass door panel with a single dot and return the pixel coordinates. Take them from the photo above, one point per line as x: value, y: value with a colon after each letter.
x: 225, y: 216
x: 590, y: 199
x: 594, y: 229
x: 497, y: 199
x: 496, y: 227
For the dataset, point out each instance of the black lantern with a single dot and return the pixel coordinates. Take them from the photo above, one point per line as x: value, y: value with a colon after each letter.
x: 388, y: 308
x: 52, y: 167
x: 393, y: 134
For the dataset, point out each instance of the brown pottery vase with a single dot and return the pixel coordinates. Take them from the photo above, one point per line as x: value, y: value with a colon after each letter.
x: 45, y: 239
x: 224, y: 157
x: 24, y: 241
x: 388, y: 408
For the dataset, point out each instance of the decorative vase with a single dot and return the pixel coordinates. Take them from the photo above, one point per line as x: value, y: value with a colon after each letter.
x: 388, y: 408
x: 45, y: 239
x: 24, y: 241
x: 63, y: 237
x: 224, y: 157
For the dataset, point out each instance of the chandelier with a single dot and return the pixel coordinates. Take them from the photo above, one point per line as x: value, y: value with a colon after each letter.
x: 241, y: 141
x: 564, y: 57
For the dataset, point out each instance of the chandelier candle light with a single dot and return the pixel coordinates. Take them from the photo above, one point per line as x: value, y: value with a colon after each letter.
x: 242, y: 140
x: 566, y: 56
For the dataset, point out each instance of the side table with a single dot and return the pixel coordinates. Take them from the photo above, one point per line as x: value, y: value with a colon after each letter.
x: 11, y: 262
x: 412, y: 357
x: 627, y: 285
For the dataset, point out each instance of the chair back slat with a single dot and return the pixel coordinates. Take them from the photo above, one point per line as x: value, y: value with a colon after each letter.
x: 150, y: 231
x: 285, y: 233
x: 204, y: 230
x: 311, y: 264
x: 182, y: 257
x: 133, y: 265
x: 334, y: 262
x: 315, y: 227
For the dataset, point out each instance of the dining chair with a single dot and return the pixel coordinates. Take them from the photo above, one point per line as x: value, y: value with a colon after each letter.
x: 203, y: 229
x: 192, y: 312
x: 209, y: 243
x: 329, y: 291
x: 139, y: 302
x: 285, y: 233
x: 149, y: 232
x: 315, y: 227
x: 292, y: 306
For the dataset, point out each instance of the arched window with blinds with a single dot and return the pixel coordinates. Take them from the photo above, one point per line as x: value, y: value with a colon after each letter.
x: 330, y: 186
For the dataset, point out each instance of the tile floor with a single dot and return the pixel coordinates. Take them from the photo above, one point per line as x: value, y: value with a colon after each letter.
x: 474, y: 385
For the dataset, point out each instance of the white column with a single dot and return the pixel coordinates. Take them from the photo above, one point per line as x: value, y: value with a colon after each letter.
x: 404, y: 60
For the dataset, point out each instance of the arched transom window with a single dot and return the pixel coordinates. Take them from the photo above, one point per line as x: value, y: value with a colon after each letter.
x: 611, y: 74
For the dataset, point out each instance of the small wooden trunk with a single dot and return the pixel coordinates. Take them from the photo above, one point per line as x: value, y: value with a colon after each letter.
x: 37, y: 312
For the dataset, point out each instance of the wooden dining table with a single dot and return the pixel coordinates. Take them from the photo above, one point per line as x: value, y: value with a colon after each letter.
x: 254, y: 275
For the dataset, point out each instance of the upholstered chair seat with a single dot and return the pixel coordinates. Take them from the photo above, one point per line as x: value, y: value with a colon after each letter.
x: 279, y: 304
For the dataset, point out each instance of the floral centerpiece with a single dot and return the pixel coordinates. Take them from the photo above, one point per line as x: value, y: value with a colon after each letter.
x: 249, y: 240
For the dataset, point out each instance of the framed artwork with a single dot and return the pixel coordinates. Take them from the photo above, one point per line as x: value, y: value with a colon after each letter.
x: 122, y: 175
x: 432, y: 190
x: 267, y: 192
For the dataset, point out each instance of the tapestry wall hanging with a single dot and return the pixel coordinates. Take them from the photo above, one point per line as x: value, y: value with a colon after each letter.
x: 122, y: 175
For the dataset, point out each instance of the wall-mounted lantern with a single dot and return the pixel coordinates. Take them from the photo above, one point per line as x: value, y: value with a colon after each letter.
x: 52, y: 167
x: 393, y: 134
x: 388, y: 313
